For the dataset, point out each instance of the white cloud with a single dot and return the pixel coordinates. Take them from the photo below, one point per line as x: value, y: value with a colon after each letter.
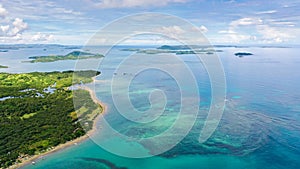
x: 28, y: 38
x: 152, y: 40
x: 42, y: 37
x: 19, y: 26
x: 134, y: 3
x: 266, y: 12
x: 59, y: 10
x: 171, y: 31
x: 203, y: 29
x: 17, y: 37
x: 12, y: 28
x: 281, y: 23
x: 230, y: 1
x: 3, y: 11
x: 5, y: 28
x: 52, y: 11
x: 233, y: 37
x: 271, y: 34
x: 255, y: 30
x: 227, y: 31
x: 246, y: 22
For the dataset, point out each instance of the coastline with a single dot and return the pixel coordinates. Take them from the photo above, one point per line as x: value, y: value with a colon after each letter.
x: 34, y: 158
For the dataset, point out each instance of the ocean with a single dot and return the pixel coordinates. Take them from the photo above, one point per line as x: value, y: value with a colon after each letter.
x: 259, y: 128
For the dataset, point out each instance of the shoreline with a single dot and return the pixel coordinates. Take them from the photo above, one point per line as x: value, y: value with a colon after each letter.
x: 37, y: 157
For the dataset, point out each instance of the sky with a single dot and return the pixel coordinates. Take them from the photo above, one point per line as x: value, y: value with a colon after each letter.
x: 220, y: 21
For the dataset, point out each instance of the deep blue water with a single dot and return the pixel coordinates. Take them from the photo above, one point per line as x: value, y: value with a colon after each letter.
x: 260, y: 126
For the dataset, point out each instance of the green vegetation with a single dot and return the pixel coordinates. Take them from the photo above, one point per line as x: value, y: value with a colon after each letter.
x: 178, y: 50
x: 71, y: 56
x: 178, y: 47
x: 241, y: 54
x: 33, y: 120
x: 1, y: 66
x: 131, y: 49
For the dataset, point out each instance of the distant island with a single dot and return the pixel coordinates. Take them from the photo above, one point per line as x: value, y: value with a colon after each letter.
x: 241, y: 54
x: 1, y: 66
x: 70, y: 56
x: 37, y: 112
x: 178, y: 50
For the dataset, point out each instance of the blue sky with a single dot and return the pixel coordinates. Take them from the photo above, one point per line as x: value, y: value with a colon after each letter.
x: 221, y: 21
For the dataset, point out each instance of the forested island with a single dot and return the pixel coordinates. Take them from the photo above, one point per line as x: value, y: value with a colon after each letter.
x: 242, y: 54
x: 178, y: 50
x: 1, y: 66
x: 70, y: 56
x: 37, y: 112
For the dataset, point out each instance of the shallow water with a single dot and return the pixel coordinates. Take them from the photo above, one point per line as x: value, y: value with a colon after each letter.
x: 260, y: 127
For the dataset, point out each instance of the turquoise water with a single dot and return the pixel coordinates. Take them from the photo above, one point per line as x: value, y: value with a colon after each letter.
x: 260, y: 127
